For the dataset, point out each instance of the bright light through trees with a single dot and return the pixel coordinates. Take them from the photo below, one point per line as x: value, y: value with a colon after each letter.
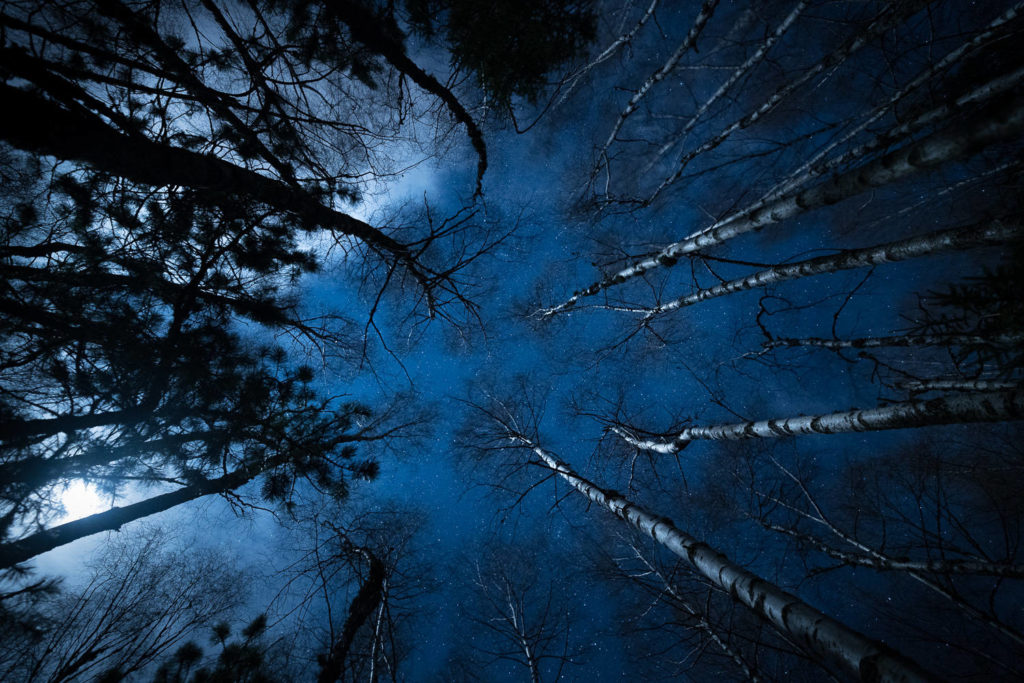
x: 80, y: 499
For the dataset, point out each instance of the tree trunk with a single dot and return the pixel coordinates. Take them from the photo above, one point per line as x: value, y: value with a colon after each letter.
x: 814, y: 167
x: 359, y: 610
x: 34, y: 124
x: 741, y: 71
x: 992, y: 125
x: 113, y: 519
x: 902, y: 340
x: 706, y: 11
x: 945, y: 240
x: 988, y: 407
x: 880, y: 25
x: 827, y: 638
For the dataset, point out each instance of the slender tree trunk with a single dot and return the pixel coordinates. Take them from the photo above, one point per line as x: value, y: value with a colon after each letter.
x: 362, y: 606
x: 813, y: 166
x: 706, y: 11
x: 736, y: 75
x: 832, y: 641
x: 988, y: 407
x: 1007, y: 340
x: 113, y: 519
x: 956, y: 385
x: 994, y: 124
x: 378, y: 623
x: 945, y: 240
x: 883, y: 23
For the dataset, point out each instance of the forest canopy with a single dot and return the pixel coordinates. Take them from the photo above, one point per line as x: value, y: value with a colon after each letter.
x: 547, y: 340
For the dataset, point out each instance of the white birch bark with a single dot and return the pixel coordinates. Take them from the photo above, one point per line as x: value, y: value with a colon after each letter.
x: 827, y: 638
x: 741, y: 71
x: 956, y: 385
x: 944, y: 240
x: 971, y: 408
x: 813, y: 168
x: 904, y: 340
x: 706, y: 10
x: 984, y: 92
x: 877, y: 27
x: 1000, y: 123
x: 623, y: 39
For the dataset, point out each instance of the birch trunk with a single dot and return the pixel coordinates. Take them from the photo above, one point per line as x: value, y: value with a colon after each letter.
x: 945, y: 240
x: 894, y: 135
x: 112, y: 520
x: 999, y: 123
x: 989, y: 407
x: 956, y: 385
x: 812, y: 167
x: 831, y: 61
x: 706, y: 11
x: 1009, y: 339
x: 832, y: 641
x: 741, y: 71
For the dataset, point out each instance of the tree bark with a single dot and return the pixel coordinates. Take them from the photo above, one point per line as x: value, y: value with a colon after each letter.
x: 113, y: 519
x: 705, y: 14
x: 992, y: 125
x: 1008, y: 339
x: 970, y: 408
x: 945, y: 240
x: 880, y: 25
x: 832, y: 641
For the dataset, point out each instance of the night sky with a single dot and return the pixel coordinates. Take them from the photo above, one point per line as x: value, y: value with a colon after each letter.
x: 578, y: 206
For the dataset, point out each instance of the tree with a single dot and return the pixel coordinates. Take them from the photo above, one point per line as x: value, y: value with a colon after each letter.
x: 831, y: 642
x: 920, y: 521
x: 519, y: 616
x: 138, y: 601
x: 157, y: 213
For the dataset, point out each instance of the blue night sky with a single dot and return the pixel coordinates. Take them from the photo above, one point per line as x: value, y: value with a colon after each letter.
x: 575, y: 215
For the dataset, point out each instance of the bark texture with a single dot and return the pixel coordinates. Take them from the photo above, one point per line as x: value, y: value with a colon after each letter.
x: 832, y: 641
x: 997, y: 123
x: 970, y: 408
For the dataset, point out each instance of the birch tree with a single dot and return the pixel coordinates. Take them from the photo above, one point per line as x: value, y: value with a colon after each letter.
x: 965, y: 409
x: 833, y: 643
x: 866, y: 154
x: 521, y: 616
x: 932, y: 517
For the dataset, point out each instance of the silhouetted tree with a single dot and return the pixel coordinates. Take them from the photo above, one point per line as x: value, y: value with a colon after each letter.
x: 141, y: 597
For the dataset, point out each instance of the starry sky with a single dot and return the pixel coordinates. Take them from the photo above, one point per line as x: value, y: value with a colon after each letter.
x: 578, y: 213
